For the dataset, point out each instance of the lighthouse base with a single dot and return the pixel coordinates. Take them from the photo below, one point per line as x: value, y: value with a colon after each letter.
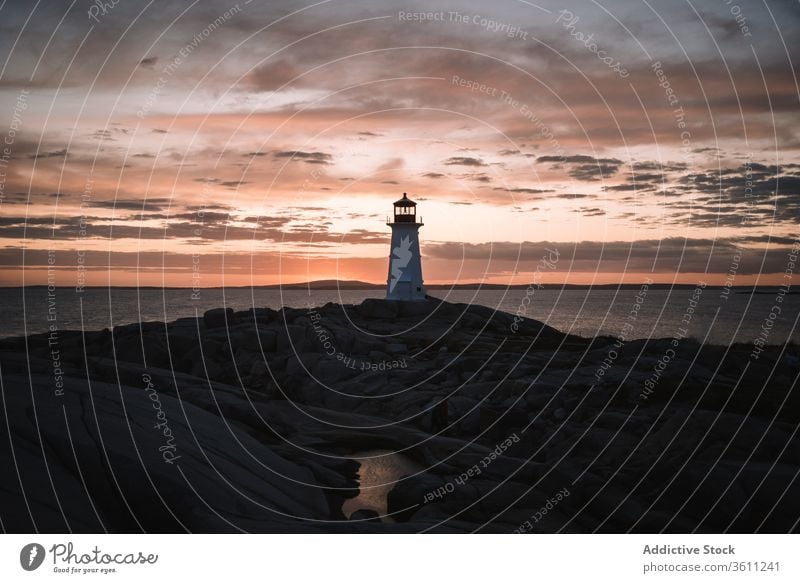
x: 405, y: 293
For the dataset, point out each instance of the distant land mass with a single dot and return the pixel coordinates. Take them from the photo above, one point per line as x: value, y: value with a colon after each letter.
x: 332, y: 284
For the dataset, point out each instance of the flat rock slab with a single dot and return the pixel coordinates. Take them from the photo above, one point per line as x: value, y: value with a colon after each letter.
x: 96, y: 459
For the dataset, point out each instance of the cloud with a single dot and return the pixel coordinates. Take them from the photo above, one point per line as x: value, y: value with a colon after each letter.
x: 344, y: 90
x: 464, y: 161
x: 757, y: 180
x: 203, y: 225
x: 272, y: 75
x: 592, y: 172
x: 579, y: 159
x: 524, y: 190
x: 623, y: 187
x: 153, y: 204
x: 670, y: 255
x: 584, y: 168
x: 395, y: 163
x: 53, y: 154
x: 653, y: 166
x: 205, y: 207
x: 756, y: 192
x: 590, y: 211
x: 307, y: 157
x: 233, y: 184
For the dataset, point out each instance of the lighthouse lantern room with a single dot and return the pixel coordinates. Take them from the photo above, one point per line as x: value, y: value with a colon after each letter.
x: 405, y: 267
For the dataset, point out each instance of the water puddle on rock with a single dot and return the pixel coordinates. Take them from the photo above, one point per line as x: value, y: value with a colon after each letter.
x: 379, y: 472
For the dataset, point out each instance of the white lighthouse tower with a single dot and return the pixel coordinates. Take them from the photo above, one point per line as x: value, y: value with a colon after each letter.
x: 405, y: 268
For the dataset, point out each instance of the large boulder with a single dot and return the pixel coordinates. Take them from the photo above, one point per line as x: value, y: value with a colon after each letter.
x: 410, y: 494
x: 219, y: 318
x: 365, y: 515
x: 291, y: 337
x: 380, y: 309
x: 132, y: 458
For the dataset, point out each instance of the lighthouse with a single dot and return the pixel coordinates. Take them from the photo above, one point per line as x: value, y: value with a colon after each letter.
x: 405, y: 268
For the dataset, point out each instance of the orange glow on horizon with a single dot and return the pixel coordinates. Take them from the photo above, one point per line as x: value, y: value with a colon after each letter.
x: 129, y: 278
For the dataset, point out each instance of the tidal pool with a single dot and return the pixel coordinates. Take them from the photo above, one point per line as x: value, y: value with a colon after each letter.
x: 379, y: 472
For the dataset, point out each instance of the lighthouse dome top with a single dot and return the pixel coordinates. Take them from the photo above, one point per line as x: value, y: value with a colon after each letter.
x: 405, y: 201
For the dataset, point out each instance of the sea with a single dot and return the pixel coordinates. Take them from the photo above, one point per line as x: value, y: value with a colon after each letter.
x: 711, y: 315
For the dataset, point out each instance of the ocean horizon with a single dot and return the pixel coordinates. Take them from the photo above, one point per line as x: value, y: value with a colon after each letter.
x: 712, y: 315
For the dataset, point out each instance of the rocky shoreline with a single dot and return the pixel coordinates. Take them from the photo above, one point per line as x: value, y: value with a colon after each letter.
x: 254, y: 421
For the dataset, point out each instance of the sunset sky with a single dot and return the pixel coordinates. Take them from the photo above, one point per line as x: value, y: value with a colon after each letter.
x: 179, y: 143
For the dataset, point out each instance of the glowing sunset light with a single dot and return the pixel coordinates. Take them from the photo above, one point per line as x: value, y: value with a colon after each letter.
x: 250, y: 145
